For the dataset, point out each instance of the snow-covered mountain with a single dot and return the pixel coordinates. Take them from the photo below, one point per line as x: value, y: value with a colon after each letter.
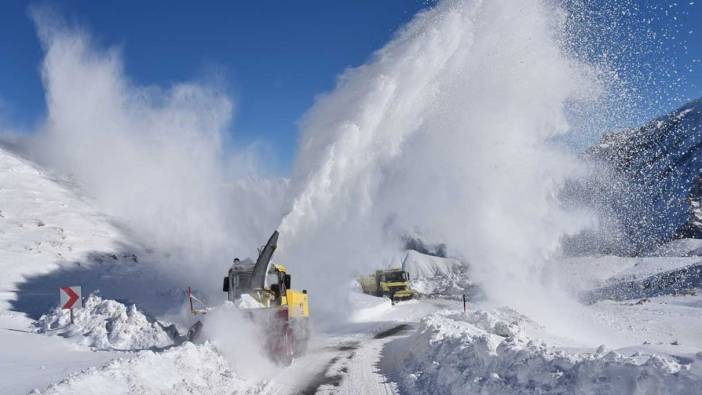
x: 647, y: 182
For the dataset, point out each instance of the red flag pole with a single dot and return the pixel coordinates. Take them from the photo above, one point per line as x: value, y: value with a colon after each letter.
x: 190, y: 298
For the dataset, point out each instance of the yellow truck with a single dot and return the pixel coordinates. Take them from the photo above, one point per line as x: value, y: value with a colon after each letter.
x: 393, y: 283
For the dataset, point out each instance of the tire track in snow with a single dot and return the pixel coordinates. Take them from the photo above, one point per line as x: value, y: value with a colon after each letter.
x: 354, y: 370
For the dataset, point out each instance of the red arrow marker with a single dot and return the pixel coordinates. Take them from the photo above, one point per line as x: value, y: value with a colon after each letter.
x: 72, y: 298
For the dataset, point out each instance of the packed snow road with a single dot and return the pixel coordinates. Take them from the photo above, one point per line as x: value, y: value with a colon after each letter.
x: 346, y: 358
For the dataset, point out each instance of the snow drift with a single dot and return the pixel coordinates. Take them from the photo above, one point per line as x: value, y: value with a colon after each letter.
x: 151, y: 156
x: 487, y: 352
x: 189, y: 369
x: 437, y: 276
x: 106, y: 324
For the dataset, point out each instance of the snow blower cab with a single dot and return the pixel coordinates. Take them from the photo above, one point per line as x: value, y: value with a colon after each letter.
x: 238, y: 280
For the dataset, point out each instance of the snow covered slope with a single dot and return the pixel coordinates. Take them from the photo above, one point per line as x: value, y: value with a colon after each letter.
x: 190, y: 369
x: 45, y: 228
x: 489, y: 352
x: 44, y: 225
x: 653, y: 184
x: 50, y: 235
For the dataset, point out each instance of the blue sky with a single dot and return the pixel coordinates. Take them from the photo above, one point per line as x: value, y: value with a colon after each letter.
x: 275, y: 56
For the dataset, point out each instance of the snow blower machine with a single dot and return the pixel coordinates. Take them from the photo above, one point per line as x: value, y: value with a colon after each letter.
x: 264, y: 292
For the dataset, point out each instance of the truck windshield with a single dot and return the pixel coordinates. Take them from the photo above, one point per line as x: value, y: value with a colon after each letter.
x: 395, y: 277
x: 242, y: 282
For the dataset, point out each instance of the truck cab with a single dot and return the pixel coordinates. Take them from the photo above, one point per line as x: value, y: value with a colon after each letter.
x: 238, y: 280
x: 393, y: 283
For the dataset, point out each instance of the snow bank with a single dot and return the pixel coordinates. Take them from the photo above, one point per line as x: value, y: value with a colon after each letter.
x: 483, y: 353
x: 188, y: 369
x: 427, y: 266
x: 105, y: 324
x: 432, y: 275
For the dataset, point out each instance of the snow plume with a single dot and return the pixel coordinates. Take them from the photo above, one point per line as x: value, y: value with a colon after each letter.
x: 241, y: 340
x: 446, y: 130
x: 151, y: 156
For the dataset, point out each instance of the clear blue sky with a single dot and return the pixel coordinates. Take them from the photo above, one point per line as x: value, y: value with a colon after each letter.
x: 276, y: 55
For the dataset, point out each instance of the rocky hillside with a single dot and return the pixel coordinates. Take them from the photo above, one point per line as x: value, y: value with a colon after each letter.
x: 645, y: 185
x: 647, y: 182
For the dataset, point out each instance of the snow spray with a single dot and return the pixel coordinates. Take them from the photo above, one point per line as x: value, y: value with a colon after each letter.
x: 152, y: 157
x: 445, y: 131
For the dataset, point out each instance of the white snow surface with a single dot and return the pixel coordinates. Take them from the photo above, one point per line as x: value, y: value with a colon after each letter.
x: 105, y: 324
x: 488, y: 352
x: 432, y: 275
x: 189, y: 369
x: 44, y: 224
x: 420, y: 265
x: 583, y: 273
x: 48, y: 226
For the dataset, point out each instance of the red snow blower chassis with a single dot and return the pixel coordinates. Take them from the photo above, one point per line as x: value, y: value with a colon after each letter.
x: 286, y: 331
x: 286, y: 337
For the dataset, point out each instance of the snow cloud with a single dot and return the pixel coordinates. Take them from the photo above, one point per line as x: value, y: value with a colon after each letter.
x: 446, y: 132
x: 151, y: 156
